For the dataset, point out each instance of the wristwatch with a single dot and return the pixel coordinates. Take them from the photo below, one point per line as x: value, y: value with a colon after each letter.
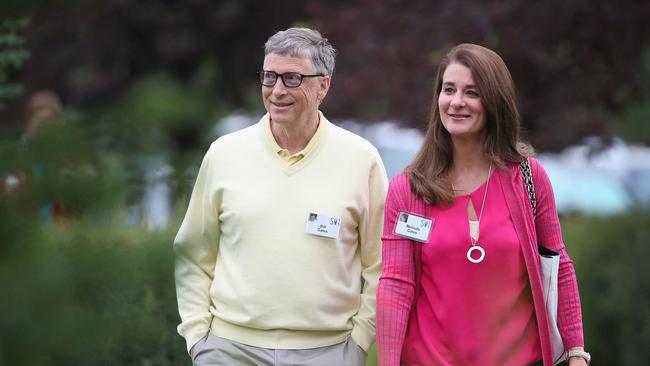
x: 579, y: 353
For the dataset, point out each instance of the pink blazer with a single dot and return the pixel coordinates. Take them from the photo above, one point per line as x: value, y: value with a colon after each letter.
x: 396, y: 291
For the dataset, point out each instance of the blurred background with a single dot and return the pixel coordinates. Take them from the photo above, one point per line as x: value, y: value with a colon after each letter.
x: 107, y: 107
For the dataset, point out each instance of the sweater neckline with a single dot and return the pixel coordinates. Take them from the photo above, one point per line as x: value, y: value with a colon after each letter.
x: 314, y: 145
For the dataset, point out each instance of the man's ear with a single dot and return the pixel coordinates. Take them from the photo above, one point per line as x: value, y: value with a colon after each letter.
x: 324, y: 87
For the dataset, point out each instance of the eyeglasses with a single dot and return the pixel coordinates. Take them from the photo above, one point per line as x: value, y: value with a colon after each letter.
x: 289, y: 79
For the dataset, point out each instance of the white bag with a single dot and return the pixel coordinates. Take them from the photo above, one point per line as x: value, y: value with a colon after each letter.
x: 550, y: 264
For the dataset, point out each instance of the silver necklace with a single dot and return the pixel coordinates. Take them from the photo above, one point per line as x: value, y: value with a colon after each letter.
x: 475, y: 245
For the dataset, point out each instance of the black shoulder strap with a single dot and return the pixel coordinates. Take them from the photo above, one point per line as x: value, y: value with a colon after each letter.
x: 527, y: 177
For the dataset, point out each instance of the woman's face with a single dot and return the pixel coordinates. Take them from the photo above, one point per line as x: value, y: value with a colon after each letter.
x: 459, y: 103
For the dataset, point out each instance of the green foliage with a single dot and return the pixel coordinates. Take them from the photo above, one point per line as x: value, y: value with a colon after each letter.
x: 12, y: 56
x: 146, y: 119
x: 59, y: 166
x: 95, y: 289
x: 610, y: 255
x: 83, y: 295
x: 635, y: 126
x: 372, y: 356
x: 158, y: 121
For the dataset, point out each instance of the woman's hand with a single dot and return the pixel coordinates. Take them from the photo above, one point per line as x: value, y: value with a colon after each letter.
x: 577, y: 361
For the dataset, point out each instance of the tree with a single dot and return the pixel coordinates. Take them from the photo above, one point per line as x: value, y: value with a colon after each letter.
x: 575, y: 63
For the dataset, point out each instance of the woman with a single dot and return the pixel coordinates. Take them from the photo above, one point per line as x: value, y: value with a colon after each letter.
x: 461, y: 280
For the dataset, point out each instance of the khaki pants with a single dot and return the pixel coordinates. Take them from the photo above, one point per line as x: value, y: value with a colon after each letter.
x: 217, y: 351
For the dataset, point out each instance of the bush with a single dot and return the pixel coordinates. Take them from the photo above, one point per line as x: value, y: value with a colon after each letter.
x: 611, y: 259
x: 83, y: 295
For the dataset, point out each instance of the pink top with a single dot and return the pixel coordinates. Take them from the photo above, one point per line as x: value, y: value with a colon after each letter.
x: 473, y: 314
x: 395, y: 294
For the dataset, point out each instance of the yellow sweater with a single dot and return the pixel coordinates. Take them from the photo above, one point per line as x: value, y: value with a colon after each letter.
x: 245, y: 266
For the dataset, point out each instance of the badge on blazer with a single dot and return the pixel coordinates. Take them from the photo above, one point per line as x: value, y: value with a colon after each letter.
x: 413, y: 227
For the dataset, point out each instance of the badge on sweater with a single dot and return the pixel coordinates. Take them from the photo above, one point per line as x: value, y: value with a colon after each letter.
x: 413, y: 227
x: 323, y: 225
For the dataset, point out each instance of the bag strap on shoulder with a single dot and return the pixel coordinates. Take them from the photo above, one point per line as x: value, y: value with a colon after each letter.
x: 527, y: 176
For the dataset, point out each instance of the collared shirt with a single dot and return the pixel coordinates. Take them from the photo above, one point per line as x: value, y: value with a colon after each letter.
x: 289, y: 158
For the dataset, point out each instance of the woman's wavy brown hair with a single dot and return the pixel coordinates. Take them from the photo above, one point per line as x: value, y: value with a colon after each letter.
x: 429, y: 171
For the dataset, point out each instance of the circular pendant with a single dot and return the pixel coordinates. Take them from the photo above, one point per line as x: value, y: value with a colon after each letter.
x: 473, y: 248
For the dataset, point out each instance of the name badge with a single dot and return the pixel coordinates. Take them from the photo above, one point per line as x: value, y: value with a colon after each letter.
x: 323, y: 225
x: 413, y: 226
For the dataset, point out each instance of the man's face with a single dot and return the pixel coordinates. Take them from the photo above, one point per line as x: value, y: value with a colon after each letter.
x: 293, y: 105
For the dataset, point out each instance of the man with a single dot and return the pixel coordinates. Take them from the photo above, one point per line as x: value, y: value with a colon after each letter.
x: 278, y: 257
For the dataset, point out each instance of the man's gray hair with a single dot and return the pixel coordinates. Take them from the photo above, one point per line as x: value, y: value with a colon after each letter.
x: 304, y: 42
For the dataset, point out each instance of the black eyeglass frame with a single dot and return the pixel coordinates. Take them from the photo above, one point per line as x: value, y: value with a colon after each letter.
x: 281, y: 76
